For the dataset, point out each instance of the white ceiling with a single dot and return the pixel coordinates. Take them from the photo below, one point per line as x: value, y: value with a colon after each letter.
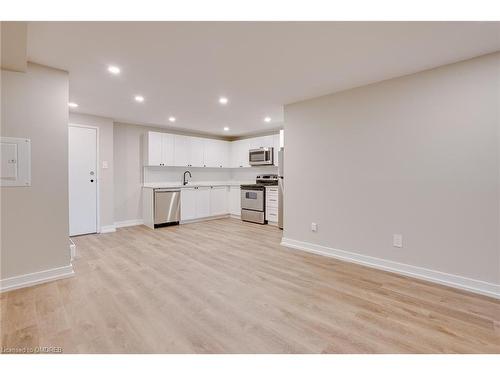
x: 181, y: 68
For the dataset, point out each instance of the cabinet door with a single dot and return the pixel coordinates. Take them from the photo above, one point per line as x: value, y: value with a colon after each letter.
x: 218, y: 200
x: 154, y: 151
x: 223, y: 154
x: 182, y: 150
x: 266, y: 141
x: 167, y: 149
x: 216, y: 153
x: 188, y: 204
x: 202, y: 202
x: 256, y: 142
x: 235, y: 200
x: 210, y: 153
x: 196, y: 154
x: 244, y: 147
x: 233, y: 154
x: 276, y: 145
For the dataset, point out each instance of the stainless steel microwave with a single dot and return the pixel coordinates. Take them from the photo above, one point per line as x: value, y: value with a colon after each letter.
x: 261, y: 156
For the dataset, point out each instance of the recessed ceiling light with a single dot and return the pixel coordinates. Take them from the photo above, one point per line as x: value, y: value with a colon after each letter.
x: 114, y: 69
x: 139, y: 98
x: 226, y: 128
x: 72, y: 105
x: 171, y: 119
x: 267, y: 119
x: 223, y: 100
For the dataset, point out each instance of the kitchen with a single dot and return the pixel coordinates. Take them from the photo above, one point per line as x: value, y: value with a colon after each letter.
x: 251, y: 188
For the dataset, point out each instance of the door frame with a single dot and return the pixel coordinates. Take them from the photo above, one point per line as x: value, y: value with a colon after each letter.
x: 97, y: 173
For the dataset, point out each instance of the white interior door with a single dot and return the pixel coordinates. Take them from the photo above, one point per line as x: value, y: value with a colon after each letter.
x: 82, y: 180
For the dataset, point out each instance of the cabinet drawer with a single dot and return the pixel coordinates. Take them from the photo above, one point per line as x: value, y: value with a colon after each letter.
x: 271, y: 216
x: 272, y: 210
x: 272, y: 195
x: 272, y: 190
x: 272, y: 203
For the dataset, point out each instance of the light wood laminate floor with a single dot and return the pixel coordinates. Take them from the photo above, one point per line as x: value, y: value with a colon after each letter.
x: 225, y: 286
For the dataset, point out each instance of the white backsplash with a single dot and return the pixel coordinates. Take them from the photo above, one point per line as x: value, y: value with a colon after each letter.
x: 174, y: 174
x: 249, y: 174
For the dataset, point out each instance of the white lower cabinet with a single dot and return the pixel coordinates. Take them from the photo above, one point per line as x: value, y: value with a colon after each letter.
x: 188, y: 204
x: 218, y: 200
x: 272, y: 204
x: 203, y: 201
x: 235, y: 200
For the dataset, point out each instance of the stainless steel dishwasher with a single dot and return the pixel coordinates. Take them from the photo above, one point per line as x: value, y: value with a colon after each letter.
x: 167, y: 207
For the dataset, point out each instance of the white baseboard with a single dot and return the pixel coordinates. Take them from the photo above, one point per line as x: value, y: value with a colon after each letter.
x: 460, y: 282
x: 128, y: 223
x: 235, y: 216
x: 72, y: 249
x: 205, y: 219
x: 35, y: 278
x: 108, y: 228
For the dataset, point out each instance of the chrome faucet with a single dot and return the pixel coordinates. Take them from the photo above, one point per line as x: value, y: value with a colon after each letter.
x: 184, y: 182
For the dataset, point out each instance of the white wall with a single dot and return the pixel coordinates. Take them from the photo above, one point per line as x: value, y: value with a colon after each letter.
x: 34, y: 221
x: 106, y: 175
x: 13, y: 45
x: 417, y: 155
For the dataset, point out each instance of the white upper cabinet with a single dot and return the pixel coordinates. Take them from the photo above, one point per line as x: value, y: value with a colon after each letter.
x: 276, y: 145
x: 266, y: 141
x: 159, y: 149
x: 239, y: 153
x: 188, y: 151
x: 164, y: 149
x: 153, y: 149
x: 210, y: 157
x: 182, y: 145
x: 197, y: 152
x: 167, y: 149
x: 233, y: 154
x: 216, y: 153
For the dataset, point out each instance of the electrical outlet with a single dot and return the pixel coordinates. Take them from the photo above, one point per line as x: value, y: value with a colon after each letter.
x: 397, y: 240
x: 314, y: 227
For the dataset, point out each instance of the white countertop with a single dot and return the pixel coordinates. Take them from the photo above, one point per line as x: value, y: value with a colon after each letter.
x: 173, y: 185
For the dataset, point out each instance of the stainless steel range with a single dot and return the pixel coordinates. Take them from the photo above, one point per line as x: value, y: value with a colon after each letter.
x: 253, y: 198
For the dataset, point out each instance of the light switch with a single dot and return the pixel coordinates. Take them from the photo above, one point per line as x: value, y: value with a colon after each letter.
x: 397, y: 240
x: 104, y: 165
